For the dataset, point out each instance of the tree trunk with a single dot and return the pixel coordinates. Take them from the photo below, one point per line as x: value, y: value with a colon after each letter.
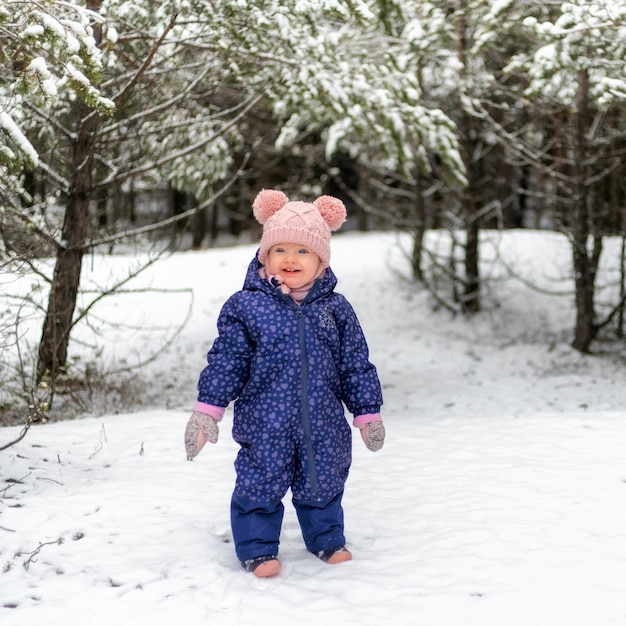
x: 419, y: 229
x: 199, y: 227
x: 471, y: 297
x: 585, y: 262
x: 584, y: 273
x: 178, y: 202
x: 64, y: 289
x: 622, y: 287
x: 55, y: 336
x: 471, y: 291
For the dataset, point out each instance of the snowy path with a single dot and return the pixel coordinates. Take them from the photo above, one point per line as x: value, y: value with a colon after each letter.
x: 457, y: 521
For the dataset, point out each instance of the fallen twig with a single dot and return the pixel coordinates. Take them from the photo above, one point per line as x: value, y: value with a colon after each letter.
x: 31, y: 558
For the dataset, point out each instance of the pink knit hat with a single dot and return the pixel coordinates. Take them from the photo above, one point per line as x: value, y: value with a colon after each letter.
x: 307, y: 224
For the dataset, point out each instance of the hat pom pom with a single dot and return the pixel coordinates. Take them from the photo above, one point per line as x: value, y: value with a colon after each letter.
x: 332, y: 210
x: 268, y: 202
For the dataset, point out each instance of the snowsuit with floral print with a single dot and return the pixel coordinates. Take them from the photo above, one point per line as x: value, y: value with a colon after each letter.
x: 289, y: 369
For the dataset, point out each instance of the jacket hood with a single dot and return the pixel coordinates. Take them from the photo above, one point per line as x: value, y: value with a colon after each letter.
x: 253, y: 282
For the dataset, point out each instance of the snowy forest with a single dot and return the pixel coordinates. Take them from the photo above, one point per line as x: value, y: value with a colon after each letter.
x: 148, y: 127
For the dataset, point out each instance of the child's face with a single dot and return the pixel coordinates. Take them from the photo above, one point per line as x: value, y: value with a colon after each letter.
x: 295, y: 264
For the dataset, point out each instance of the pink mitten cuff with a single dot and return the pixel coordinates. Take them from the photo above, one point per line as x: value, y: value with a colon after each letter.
x: 216, y: 412
x: 361, y: 420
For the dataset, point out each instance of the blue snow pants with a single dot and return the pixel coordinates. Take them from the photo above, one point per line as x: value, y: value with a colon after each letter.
x: 256, y: 525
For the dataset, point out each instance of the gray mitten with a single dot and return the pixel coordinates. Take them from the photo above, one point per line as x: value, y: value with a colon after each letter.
x: 200, y: 429
x: 373, y: 435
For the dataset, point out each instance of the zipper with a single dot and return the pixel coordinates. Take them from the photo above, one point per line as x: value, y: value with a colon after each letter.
x: 304, y: 386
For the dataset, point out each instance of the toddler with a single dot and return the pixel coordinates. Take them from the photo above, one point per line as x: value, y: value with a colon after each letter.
x: 290, y: 353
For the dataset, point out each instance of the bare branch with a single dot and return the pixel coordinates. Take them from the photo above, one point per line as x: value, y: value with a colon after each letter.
x: 31, y: 559
x: 114, y: 289
x: 119, y: 98
x: 156, y: 109
x: 36, y: 415
x: 180, y: 153
x: 170, y: 220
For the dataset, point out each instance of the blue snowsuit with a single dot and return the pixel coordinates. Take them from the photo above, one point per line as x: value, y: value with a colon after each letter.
x: 290, y: 369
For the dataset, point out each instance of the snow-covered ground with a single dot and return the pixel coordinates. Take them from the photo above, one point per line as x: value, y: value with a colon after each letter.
x: 499, y: 498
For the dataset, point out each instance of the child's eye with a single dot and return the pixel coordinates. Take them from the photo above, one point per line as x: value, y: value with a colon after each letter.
x: 303, y: 251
